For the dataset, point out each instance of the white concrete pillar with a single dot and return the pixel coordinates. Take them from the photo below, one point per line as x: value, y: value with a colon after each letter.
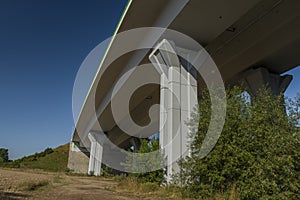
x: 163, y: 136
x: 189, y: 101
x: 96, y: 152
x: 174, y: 121
x: 178, y: 97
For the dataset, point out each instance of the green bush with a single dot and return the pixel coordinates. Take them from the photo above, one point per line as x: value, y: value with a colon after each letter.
x: 147, y: 162
x: 257, y: 154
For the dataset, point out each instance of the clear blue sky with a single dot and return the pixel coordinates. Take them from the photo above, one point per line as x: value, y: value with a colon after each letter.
x: 294, y: 87
x: 42, y: 45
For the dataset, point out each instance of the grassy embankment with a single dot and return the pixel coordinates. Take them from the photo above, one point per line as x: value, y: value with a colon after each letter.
x: 54, y: 160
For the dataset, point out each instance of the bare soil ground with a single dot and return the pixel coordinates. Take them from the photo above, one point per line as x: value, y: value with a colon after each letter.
x: 17, y: 184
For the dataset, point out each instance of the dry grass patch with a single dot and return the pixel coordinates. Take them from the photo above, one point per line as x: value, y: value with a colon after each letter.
x: 148, y: 189
x: 33, y: 185
x: 154, y: 191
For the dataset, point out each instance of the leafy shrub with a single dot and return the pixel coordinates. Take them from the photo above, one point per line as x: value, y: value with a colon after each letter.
x: 147, y: 162
x: 257, y: 154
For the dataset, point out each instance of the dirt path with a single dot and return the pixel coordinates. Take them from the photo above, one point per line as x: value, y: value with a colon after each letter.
x: 85, y: 188
x: 15, y: 184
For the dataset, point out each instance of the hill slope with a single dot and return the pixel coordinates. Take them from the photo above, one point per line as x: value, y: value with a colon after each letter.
x: 48, y: 160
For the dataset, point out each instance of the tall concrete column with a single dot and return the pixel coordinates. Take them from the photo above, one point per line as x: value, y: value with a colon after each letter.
x: 163, y: 136
x: 189, y: 101
x: 96, y: 153
x: 178, y: 97
x: 254, y: 79
x: 174, y: 120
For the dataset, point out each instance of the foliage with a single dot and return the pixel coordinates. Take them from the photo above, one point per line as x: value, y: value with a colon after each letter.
x: 257, y: 154
x: 3, y: 155
x: 36, y: 156
x: 106, y: 171
x: 147, y: 158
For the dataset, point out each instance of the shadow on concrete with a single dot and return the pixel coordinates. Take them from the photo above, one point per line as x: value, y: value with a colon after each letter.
x: 12, y: 196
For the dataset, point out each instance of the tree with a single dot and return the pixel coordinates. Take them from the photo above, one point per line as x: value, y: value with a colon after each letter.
x: 257, y: 154
x: 3, y: 155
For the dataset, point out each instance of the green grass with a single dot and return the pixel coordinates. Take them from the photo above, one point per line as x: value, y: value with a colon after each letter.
x: 50, y: 160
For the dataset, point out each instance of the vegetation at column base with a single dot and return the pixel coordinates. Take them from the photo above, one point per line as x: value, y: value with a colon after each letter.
x: 143, y: 160
x: 148, y: 183
x: 257, y: 155
x: 49, y: 160
x: 145, y: 190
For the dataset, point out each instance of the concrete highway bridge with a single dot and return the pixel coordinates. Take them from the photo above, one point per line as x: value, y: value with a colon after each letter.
x: 249, y: 41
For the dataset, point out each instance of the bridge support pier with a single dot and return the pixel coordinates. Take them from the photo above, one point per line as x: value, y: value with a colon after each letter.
x: 78, y: 158
x: 178, y: 97
x: 96, y: 153
x: 254, y: 79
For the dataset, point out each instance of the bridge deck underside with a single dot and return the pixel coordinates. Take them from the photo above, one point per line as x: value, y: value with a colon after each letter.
x: 239, y: 35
